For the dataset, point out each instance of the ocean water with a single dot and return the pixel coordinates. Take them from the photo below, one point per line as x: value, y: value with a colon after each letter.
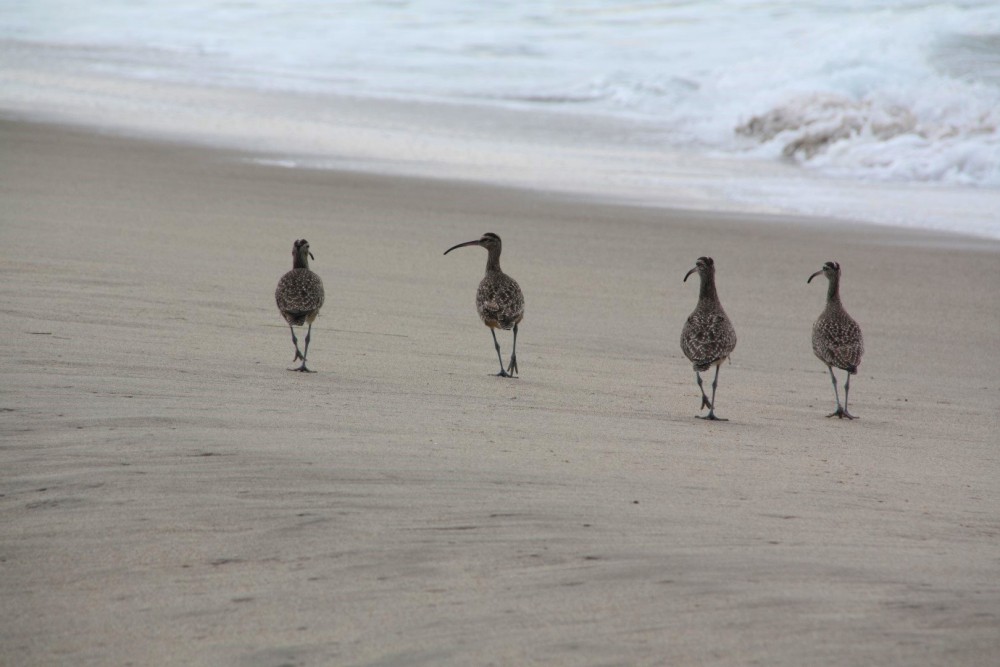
x: 885, y: 111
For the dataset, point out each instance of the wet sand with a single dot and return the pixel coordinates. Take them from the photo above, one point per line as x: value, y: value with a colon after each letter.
x: 171, y: 494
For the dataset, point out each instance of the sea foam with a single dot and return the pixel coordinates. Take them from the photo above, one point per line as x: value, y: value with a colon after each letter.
x: 891, y: 91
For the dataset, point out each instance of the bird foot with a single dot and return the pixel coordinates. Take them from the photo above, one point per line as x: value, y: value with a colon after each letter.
x: 842, y: 414
x: 302, y: 368
x: 504, y: 374
x: 711, y: 417
x: 705, y: 403
x: 512, y: 368
x: 298, y: 355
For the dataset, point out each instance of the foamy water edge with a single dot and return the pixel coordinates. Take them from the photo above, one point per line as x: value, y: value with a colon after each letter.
x: 621, y: 160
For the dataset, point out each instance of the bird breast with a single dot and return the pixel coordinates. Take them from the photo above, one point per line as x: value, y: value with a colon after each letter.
x: 837, y: 340
x: 708, y: 338
x: 499, y: 301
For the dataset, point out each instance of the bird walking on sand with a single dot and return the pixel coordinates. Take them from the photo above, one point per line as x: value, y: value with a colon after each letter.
x: 836, y: 337
x: 499, y: 300
x: 708, y: 337
x: 299, y: 296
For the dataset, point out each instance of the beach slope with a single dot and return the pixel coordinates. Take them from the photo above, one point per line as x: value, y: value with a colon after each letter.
x: 171, y: 494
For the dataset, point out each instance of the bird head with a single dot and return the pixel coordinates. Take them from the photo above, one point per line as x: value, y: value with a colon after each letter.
x: 830, y: 270
x: 300, y: 250
x: 489, y: 240
x: 705, y: 266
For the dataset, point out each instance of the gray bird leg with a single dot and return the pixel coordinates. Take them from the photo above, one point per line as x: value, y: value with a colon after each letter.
x: 512, y: 368
x: 502, y: 372
x: 839, y: 413
x: 847, y: 388
x: 305, y: 352
x: 295, y: 341
x: 711, y: 410
x: 705, y: 403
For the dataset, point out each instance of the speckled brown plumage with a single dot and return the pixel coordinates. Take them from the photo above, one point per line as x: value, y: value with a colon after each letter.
x: 299, y: 296
x: 708, y: 337
x: 499, y: 300
x: 836, y: 337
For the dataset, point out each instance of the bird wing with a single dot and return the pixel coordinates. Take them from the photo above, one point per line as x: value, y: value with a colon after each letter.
x: 500, y: 300
x: 841, y: 344
x: 299, y: 291
x: 707, y: 338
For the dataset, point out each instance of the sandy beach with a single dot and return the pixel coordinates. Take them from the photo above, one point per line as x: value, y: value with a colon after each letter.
x: 172, y: 495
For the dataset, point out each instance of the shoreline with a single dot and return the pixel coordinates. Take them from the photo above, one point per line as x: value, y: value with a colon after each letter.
x: 619, y: 160
x: 174, y: 496
x: 892, y: 234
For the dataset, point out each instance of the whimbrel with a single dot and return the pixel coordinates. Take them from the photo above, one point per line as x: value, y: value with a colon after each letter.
x: 836, y: 337
x: 708, y: 337
x: 499, y: 299
x: 299, y: 297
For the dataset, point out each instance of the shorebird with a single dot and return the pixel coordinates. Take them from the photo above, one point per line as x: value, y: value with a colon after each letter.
x: 299, y: 296
x: 836, y: 337
x: 708, y: 337
x: 499, y: 300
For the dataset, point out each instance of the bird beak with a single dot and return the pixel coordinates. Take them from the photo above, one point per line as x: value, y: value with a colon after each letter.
x: 689, y: 273
x: 462, y: 245
x: 813, y: 276
x: 310, y: 254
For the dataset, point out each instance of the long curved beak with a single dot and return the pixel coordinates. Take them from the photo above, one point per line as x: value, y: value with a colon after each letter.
x: 813, y: 276
x: 462, y: 245
x: 689, y: 273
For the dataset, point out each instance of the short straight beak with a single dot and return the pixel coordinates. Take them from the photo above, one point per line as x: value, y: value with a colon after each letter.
x: 813, y: 276
x: 310, y: 254
x: 462, y: 245
x: 689, y: 273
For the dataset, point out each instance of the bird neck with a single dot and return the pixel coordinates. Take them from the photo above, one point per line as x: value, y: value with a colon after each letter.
x: 833, y: 290
x: 301, y: 261
x: 493, y: 261
x: 707, y: 292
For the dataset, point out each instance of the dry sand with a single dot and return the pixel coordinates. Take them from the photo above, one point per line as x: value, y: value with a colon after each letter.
x: 170, y: 494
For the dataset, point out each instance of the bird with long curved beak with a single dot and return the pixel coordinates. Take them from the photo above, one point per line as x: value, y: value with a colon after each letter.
x: 499, y: 300
x: 708, y: 337
x: 836, y: 337
x: 299, y: 297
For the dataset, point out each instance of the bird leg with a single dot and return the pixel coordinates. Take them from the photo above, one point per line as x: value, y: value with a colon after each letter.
x: 705, y: 403
x: 711, y: 409
x: 303, y: 368
x: 512, y: 368
x: 847, y: 388
x: 840, y: 412
x: 295, y: 341
x: 502, y: 372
